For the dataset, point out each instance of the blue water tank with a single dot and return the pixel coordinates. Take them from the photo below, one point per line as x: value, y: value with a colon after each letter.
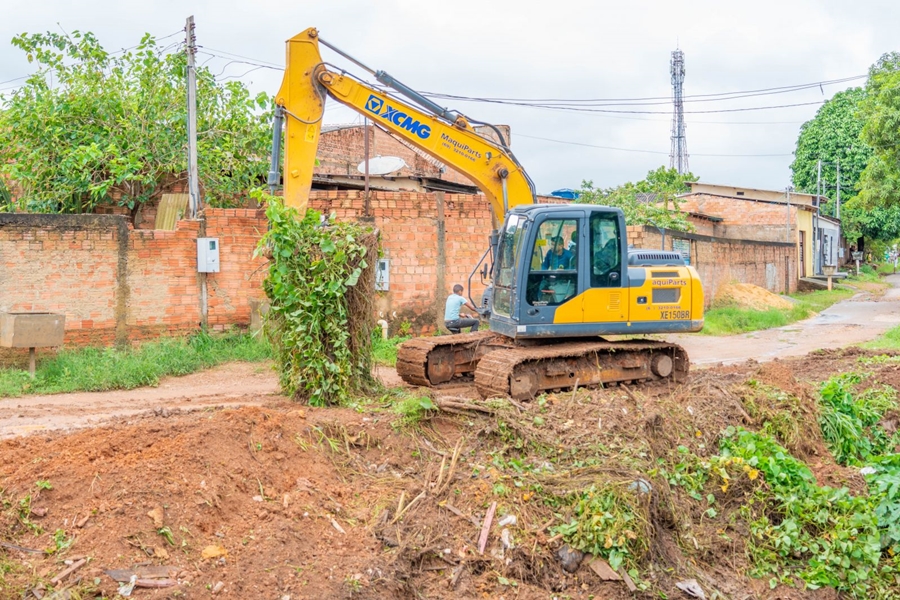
x: 567, y: 193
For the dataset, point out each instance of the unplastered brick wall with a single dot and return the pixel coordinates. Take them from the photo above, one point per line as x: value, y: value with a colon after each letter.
x: 745, y: 218
x: 431, y: 240
x: 62, y: 264
x: 118, y: 285
x: 241, y: 273
x: 769, y: 265
x: 342, y: 150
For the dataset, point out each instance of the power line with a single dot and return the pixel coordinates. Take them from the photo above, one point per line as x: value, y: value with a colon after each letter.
x: 236, y: 61
x: 255, y: 61
x: 534, y: 137
x: 666, y: 112
x: 645, y: 101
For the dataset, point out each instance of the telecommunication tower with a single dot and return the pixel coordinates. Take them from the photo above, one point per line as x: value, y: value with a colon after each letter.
x: 678, y: 156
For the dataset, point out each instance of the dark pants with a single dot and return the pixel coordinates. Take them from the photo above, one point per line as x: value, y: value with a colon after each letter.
x: 457, y: 324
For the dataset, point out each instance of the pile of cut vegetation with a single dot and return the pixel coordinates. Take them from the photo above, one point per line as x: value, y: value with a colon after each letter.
x: 321, y: 289
x: 747, y: 295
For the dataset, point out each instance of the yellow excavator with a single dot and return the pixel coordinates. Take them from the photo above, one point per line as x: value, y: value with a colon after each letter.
x: 558, y: 276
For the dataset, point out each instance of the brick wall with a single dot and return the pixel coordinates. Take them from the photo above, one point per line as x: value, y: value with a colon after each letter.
x: 342, y: 149
x: 117, y: 284
x: 745, y: 218
x: 432, y: 240
x: 241, y: 275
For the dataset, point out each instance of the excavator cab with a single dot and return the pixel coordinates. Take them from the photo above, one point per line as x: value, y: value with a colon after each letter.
x: 565, y: 251
x: 564, y: 271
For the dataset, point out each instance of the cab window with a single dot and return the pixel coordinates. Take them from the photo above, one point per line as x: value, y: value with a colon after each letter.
x: 606, y: 254
x: 553, y: 271
x: 506, y: 267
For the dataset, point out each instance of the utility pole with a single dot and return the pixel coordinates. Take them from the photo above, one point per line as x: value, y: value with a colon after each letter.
x: 367, y: 209
x: 193, y: 176
x: 787, y: 230
x: 678, y: 156
x: 816, y: 217
x: 837, y: 205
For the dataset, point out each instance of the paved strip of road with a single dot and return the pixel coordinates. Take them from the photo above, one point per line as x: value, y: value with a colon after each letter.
x: 859, y: 319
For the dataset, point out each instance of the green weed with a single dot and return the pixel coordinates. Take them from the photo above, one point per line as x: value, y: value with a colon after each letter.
x: 885, y: 269
x: 780, y: 413
x: 889, y: 340
x: 412, y: 410
x: 606, y: 523
x: 823, y: 536
x: 849, y: 421
x: 384, y: 351
x: 319, y: 321
x: 61, y: 541
x: 100, y: 369
x: 867, y: 274
x: 730, y: 319
x: 878, y: 359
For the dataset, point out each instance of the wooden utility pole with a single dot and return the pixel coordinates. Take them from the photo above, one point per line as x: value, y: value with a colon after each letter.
x: 193, y: 175
x: 367, y: 209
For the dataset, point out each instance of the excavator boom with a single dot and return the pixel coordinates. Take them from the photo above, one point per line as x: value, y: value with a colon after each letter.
x: 307, y: 81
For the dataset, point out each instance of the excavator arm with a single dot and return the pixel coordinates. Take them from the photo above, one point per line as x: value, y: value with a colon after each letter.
x: 446, y: 136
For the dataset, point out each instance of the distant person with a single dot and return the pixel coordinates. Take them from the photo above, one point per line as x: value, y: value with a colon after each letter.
x: 452, y: 319
x: 558, y: 257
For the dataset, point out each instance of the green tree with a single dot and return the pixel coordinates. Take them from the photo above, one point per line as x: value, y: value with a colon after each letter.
x: 91, y: 127
x: 832, y: 136
x: 650, y: 201
x: 881, y: 111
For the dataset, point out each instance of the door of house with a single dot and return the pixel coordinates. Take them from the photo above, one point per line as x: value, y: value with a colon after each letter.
x: 802, y: 254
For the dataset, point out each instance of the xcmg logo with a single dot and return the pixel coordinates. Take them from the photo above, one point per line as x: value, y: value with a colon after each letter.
x: 378, y: 107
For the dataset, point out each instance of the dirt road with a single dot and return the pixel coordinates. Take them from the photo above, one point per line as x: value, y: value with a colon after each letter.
x: 859, y: 319
x: 234, y: 384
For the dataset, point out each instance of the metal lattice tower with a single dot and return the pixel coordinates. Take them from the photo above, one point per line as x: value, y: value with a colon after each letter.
x: 678, y: 156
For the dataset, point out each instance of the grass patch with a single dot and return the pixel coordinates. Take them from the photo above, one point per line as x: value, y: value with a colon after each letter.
x: 412, y: 410
x: 731, y: 319
x: 100, y: 369
x: 889, y: 340
x: 884, y: 269
x: 384, y: 351
x: 867, y: 274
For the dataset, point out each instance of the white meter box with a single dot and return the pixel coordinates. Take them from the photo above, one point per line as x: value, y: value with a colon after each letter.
x: 383, y: 275
x: 207, y: 255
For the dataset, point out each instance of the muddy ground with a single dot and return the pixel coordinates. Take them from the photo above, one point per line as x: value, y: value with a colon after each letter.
x: 278, y: 500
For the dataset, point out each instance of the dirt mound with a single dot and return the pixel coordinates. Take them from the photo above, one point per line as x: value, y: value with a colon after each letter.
x: 289, y: 501
x: 747, y: 295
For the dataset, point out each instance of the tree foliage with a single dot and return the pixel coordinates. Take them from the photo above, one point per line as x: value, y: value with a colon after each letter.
x: 92, y: 127
x: 881, y: 111
x: 651, y: 201
x: 832, y: 136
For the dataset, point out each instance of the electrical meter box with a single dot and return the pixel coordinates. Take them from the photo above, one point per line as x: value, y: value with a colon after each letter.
x: 383, y: 275
x: 207, y: 255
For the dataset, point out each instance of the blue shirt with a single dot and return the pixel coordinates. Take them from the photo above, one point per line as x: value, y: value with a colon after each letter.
x: 555, y: 261
x: 454, y: 303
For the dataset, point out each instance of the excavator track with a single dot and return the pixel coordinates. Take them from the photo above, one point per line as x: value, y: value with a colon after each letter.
x: 435, y: 360
x: 524, y: 372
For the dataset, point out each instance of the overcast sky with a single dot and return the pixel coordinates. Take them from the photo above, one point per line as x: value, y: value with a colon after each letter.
x: 528, y: 49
